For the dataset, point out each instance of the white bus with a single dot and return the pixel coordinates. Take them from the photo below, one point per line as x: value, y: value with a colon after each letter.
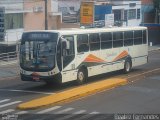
x: 67, y: 55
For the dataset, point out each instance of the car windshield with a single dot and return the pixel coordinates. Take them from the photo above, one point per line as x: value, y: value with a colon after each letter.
x: 38, y: 55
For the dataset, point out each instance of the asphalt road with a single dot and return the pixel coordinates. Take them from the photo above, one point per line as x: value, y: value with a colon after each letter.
x: 141, y: 96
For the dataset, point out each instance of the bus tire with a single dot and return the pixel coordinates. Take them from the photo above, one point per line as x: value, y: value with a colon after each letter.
x: 127, y: 66
x: 81, y: 76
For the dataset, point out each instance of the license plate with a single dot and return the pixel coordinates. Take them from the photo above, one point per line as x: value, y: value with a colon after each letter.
x: 36, y: 78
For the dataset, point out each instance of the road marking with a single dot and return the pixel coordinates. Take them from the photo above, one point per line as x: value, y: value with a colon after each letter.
x: 6, y: 111
x: 72, y: 115
x: 5, y: 100
x: 8, y: 104
x: 63, y: 111
x: 87, y: 116
x: 21, y: 112
x: 48, y: 110
x: 92, y: 113
x: 27, y: 91
x: 79, y: 112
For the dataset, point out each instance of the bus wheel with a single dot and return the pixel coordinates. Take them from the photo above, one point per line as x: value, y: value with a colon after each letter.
x: 127, y: 66
x: 81, y: 76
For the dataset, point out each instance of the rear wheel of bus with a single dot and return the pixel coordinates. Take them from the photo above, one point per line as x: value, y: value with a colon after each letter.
x: 82, y: 76
x: 127, y: 66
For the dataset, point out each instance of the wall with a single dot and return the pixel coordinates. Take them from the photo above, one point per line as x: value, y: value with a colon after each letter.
x: 14, y: 6
x: 147, y: 1
x: 148, y: 15
x: 34, y: 20
x: 124, y: 5
x: 153, y: 33
x: 69, y: 3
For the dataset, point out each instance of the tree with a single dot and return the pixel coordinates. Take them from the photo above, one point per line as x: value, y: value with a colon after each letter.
x: 156, y: 4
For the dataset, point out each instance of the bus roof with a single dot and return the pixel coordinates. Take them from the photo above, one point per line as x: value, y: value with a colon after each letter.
x: 71, y: 31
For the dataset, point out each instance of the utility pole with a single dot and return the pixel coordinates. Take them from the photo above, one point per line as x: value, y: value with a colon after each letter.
x: 159, y: 13
x: 46, y: 15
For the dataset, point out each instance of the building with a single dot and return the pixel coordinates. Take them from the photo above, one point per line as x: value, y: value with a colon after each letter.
x: 11, y: 24
x: 148, y: 15
x: 17, y: 16
x: 151, y: 19
x: 35, y: 18
x: 13, y: 19
x: 127, y: 12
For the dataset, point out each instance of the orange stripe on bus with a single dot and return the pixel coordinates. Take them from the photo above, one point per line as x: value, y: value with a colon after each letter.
x: 123, y: 54
x: 92, y: 58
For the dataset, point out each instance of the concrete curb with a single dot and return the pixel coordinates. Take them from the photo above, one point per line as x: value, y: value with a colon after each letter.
x: 72, y: 94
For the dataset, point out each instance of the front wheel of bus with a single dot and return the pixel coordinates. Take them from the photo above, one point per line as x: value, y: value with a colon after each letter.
x: 81, y: 76
x: 127, y: 66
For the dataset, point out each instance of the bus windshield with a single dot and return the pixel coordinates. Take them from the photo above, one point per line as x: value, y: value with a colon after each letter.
x: 38, y: 52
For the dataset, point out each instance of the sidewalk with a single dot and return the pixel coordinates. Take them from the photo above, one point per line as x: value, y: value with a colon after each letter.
x: 154, y: 47
x: 3, y: 63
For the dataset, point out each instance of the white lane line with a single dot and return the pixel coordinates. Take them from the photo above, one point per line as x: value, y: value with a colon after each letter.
x: 72, y: 115
x: 63, y: 111
x: 27, y: 91
x: 8, y: 104
x: 48, y: 110
x: 79, y: 112
x: 6, y: 111
x: 21, y: 112
x: 87, y: 116
x: 92, y: 113
x: 5, y: 100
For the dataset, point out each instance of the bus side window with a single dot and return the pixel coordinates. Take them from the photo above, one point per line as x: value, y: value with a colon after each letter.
x: 94, y: 41
x: 82, y: 43
x: 128, y: 38
x: 117, y: 39
x: 144, y: 37
x: 106, y: 40
x: 138, y: 37
x: 70, y: 53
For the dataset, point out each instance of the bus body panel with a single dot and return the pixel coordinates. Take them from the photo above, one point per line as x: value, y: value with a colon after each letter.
x: 95, y: 61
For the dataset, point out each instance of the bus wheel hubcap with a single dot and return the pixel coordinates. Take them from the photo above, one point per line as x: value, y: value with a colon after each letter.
x: 127, y: 66
x: 81, y: 76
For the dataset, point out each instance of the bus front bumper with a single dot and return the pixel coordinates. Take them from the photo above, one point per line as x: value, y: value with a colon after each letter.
x: 52, y: 78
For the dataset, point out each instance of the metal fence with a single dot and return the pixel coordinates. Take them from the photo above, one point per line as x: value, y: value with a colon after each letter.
x: 7, y: 58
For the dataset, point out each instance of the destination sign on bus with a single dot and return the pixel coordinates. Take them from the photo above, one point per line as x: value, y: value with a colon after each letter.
x: 39, y: 36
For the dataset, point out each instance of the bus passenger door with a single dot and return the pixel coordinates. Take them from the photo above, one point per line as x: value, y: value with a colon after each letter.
x: 68, y: 55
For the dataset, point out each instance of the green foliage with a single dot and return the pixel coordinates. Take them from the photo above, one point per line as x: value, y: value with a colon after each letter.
x: 156, y: 4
